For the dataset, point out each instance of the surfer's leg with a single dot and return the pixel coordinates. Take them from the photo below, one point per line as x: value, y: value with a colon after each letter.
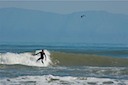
x: 42, y: 61
x: 38, y: 59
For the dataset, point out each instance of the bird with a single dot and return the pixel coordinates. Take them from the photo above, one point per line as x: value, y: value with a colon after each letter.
x: 83, y: 16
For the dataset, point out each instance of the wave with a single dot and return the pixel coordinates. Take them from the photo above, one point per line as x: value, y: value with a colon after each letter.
x: 25, y: 59
x: 58, y: 80
x: 76, y: 59
x: 61, y: 59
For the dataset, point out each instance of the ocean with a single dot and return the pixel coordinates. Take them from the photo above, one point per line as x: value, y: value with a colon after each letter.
x: 65, y: 64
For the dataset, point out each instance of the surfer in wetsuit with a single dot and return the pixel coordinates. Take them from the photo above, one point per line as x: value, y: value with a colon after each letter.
x: 42, y: 54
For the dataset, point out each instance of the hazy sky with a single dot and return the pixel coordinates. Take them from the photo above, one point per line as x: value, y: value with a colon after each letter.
x: 65, y: 7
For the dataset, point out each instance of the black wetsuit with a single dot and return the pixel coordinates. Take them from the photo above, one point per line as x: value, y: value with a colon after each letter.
x: 42, y: 54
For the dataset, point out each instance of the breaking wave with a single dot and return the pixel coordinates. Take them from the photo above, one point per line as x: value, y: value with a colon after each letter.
x: 61, y: 59
x: 58, y: 80
x: 25, y: 59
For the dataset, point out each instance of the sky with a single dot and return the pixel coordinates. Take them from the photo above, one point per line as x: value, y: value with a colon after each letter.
x: 69, y: 6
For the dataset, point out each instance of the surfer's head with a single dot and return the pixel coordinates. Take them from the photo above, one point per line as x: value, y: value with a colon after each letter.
x: 42, y: 50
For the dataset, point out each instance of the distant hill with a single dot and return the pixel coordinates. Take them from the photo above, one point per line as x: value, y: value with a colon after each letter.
x: 23, y: 25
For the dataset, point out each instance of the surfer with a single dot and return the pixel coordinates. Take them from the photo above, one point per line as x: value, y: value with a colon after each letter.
x: 42, y: 54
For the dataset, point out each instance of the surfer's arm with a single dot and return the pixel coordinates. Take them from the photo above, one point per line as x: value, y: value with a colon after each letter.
x: 37, y: 53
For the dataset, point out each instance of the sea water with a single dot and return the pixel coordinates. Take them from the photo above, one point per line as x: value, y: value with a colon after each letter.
x: 65, y: 64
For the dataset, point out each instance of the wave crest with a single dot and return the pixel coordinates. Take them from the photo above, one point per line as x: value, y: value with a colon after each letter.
x: 24, y: 59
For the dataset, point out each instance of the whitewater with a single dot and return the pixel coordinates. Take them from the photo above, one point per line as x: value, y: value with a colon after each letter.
x: 57, y: 80
x: 25, y: 59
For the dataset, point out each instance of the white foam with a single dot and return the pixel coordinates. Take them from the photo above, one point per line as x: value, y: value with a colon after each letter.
x: 57, y: 80
x: 24, y: 59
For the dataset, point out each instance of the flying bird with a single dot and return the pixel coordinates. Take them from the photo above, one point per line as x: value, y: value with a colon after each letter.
x: 83, y: 16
